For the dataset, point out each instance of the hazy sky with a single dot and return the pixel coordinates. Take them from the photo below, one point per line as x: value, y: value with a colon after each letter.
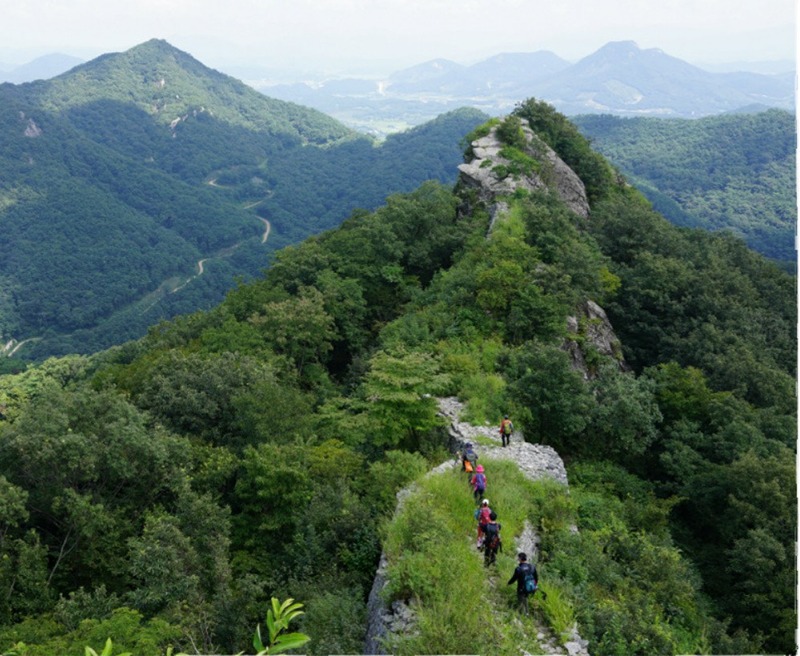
x: 384, y: 35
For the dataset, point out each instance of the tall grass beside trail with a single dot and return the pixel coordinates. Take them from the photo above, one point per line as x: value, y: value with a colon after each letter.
x: 619, y: 576
x: 461, y: 606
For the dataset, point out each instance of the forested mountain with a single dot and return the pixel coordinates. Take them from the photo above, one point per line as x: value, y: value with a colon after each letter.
x: 734, y: 172
x: 129, y: 176
x: 163, y: 491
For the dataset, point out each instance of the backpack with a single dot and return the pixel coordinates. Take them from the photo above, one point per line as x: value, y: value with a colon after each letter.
x: 468, y: 466
x: 529, y: 582
x: 492, y: 532
x: 507, y: 427
x: 480, y: 481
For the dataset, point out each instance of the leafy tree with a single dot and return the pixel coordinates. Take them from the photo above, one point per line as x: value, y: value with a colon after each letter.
x: 298, y: 328
x: 555, y: 400
x: 625, y: 416
x: 400, y: 389
x: 562, y: 136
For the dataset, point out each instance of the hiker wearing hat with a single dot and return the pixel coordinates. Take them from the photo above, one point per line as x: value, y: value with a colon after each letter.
x: 478, y: 482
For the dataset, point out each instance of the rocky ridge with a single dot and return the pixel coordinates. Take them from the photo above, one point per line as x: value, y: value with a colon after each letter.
x: 487, y: 173
x: 535, y: 461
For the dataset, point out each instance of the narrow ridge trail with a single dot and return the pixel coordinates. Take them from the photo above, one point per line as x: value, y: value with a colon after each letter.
x: 536, y: 462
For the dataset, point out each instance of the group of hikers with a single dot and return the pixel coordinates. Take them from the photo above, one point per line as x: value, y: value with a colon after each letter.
x: 525, y: 575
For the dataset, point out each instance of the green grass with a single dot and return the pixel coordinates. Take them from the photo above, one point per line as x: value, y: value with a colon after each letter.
x: 461, y: 606
x: 598, y: 577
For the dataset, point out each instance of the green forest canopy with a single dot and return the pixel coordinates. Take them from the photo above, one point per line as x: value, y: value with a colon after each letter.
x: 162, y: 491
x: 122, y: 174
x: 734, y: 172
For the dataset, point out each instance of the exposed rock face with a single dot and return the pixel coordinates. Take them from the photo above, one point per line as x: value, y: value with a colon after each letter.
x: 592, y: 327
x: 486, y: 173
x: 32, y: 130
x: 536, y: 461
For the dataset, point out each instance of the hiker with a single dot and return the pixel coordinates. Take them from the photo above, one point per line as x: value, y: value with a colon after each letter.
x: 469, y: 461
x: 478, y: 482
x: 491, y: 541
x: 527, y: 581
x: 506, y: 428
x: 483, y: 515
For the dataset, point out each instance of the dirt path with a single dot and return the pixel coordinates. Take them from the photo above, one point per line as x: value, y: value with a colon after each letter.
x: 267, y: 227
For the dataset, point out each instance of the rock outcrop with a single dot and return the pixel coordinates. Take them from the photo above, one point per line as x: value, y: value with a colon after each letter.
x: 488, y: 173
x: 590, y: 328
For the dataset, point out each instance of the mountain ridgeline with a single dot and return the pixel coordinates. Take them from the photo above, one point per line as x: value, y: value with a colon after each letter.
x: 163, y: 491
x: 620, y: 78
x: 142, y: 184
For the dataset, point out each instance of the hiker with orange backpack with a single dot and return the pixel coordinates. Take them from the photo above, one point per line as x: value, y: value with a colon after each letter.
x: 506, y: 428
x: 469, y: 461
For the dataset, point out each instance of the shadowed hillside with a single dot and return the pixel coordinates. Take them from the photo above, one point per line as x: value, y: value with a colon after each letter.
x: 125, y: 172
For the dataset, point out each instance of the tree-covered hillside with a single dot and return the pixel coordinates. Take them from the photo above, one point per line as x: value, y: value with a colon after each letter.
x: 125, y: 173
x: 162, y: 491
x: 734, y: 172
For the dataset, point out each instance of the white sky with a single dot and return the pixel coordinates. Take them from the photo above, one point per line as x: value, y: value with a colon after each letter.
x: 381, y: 36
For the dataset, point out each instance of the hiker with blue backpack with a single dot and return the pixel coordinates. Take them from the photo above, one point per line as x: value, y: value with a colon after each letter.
x: 527, y: 581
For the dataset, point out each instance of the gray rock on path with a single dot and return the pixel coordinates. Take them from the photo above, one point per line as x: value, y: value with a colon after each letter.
x: 536, y: 461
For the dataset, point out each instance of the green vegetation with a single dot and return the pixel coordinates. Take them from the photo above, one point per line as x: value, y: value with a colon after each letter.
x: 734, y: 172
x: 162, y: 492
x: 109, y: 202
x: 279, y: 616
x: 619, y: 576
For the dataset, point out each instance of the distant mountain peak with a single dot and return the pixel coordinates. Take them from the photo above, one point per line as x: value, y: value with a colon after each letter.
x: 620, y: 46
x: 174, y: 88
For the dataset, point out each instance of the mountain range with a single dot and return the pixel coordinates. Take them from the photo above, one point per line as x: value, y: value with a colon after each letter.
x: 620, y: 78
x: 295, y: 442
x: 142, y: 184
x: 41, y: 68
